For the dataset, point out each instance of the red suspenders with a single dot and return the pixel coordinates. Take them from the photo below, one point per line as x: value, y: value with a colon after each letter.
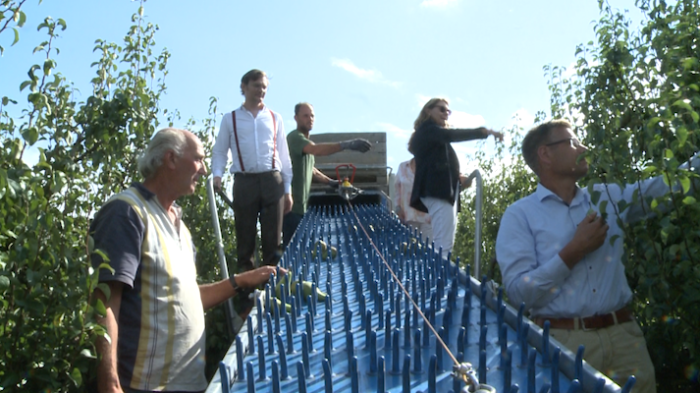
x: 274, y: 139
x: 235, y: 134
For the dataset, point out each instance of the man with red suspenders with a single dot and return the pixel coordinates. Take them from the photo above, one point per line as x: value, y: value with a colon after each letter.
x: 262, y: 171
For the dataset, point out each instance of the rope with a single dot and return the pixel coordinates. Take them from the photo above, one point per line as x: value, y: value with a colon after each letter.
x: 408, y: 296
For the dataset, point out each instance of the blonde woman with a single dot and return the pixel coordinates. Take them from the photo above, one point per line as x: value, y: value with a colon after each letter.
x: 437, y: 178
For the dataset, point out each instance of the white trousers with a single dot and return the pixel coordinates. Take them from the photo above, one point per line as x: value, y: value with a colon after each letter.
x: 443, y: 218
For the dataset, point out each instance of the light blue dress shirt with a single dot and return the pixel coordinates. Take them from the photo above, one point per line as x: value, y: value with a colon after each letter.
x: 536, y: 228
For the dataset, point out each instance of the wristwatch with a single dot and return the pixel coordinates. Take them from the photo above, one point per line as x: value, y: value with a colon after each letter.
x: 234, y: 284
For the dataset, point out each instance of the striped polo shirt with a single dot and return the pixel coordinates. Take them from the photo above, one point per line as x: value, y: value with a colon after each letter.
x: 161, y: 320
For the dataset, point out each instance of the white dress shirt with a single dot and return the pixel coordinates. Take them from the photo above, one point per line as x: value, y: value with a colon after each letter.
x: 536, y: 228
x: 256, y: 144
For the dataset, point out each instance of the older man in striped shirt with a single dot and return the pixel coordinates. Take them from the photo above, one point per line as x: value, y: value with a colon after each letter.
x: 154, y: 305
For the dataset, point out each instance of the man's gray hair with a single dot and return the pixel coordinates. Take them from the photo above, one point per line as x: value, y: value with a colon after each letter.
x: 163, y: 141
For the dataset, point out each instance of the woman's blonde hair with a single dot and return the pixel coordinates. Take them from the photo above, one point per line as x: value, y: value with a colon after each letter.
x: 425, y: 115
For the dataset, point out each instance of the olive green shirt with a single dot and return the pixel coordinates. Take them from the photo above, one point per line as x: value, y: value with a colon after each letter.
x: 302, y: 170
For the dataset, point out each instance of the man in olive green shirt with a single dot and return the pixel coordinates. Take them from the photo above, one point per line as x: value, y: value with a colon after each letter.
x: 302, y: 152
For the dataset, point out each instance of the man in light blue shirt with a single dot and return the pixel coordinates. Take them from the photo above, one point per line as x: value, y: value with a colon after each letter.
x: 562, y: 258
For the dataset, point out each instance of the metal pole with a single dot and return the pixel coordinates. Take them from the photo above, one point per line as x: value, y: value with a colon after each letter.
x: 230, y: 312
x: 477, y: 220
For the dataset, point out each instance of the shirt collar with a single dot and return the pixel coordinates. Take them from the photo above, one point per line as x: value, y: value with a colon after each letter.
x: 148, y: 195
x: 145, y: 192
x: 543, y: 193
x: 242, y: 108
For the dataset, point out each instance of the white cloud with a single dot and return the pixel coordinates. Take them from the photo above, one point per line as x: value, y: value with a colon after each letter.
x: 459, y: 119
x: 437, y: 3
x: 522, y: 119
x: 570, y: 71
x: 396, y: 131
x: 373, y: 76
x: 422, y: 100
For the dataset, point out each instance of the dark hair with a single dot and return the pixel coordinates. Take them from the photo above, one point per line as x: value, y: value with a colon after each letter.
x: 298, y: 106
x: 252, y: 75
x: 536, y: 137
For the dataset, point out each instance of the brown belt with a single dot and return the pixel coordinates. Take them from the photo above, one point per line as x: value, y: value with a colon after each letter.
x: 595, y: 322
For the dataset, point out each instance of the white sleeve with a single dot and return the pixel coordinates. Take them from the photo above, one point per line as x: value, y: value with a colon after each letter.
x: 285, y: 160
x: 222, y: 145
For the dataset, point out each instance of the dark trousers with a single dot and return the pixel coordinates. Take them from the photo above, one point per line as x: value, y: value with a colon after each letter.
x: 258, y: 195
x: 289, y: 226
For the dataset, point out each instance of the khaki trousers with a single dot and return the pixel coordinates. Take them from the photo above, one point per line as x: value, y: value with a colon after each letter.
x: 618, y: 351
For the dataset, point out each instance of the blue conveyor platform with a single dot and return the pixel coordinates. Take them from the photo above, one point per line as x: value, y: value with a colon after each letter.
x: 371, y: 334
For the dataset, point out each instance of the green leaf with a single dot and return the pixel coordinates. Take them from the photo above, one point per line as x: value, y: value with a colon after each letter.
x: 650, y: 169
x: 16, y: 37
x: 48, y: 65
x: 685, y: 183
x: 653, y: 122
x: 100, y: 308
x: 682, y: 134
x: 689, y: 63
x: 4, y: 283
x: 77, y: 377
x: 61, y: 23
x: 683, y: 104
x: 668, y: 153
x: 31, y: 135
x: 695, y: 116
x: 622, y: 205
x: 603, y: 209
x: 22, y: 19
x: 595, y: 196
x: 105, y: 289
x: 613, y: 238
x: 689, y: 200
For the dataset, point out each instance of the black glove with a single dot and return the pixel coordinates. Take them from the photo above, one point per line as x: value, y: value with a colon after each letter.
x: 333, y: 183
x: 361, y: 145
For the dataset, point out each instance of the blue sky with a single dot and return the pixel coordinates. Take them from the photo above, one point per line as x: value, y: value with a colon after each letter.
x: 364, y: 65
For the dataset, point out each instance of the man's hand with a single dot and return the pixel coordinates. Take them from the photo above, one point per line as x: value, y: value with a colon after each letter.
x: 361, y: 145
x: 590, y: 235
x: 252, y: 278
x: 288, y: 203
x: 217, y: 183
x: 465, y: 182
x: 333, y: 183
